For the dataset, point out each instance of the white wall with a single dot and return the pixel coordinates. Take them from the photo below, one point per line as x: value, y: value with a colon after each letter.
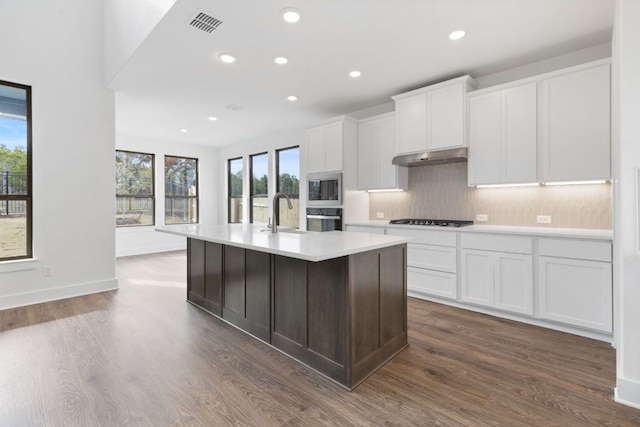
x: 626, y: 72
x: 127, y: 25
x: 139, y: 240
x: 56, y: 47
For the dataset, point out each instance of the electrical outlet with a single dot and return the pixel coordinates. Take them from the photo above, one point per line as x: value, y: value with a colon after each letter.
x: 543, y: 219
x: 47, y: 271
x: 482, y: 217
x: 380, y: 215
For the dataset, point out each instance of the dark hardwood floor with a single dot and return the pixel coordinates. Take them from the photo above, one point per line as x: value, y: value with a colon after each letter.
x: 143, y: 356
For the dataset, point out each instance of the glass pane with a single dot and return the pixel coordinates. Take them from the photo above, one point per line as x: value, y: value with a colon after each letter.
x: 260, y: 209
x: 259, y: 170
x: 235, y: 178
x: 259, y: 188
x: 289, y: 183
x: 134, y: 174
x: 235, y: 209
x: 180, y: 210
x: 13, y: 228
x: 13, y: 155
x: 134, y: 211
x: 180, y: 176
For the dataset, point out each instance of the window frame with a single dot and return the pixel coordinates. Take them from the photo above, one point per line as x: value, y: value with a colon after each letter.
x: 251, y: 189
x: 277, y: 173
x: 27, y: 198
x: 153, y: 190
x: 197, y: 185
x: 230, y: 197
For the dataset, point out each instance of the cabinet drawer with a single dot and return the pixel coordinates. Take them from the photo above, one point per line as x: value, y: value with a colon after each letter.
x: 497, y: 243
x: 427, y: 237
x: 363, y: 229
x: 575, y: 249
x: 432, y: 282
x: 442, y: 258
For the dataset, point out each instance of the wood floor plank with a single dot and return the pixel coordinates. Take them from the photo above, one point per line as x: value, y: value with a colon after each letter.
x: 143, y: 356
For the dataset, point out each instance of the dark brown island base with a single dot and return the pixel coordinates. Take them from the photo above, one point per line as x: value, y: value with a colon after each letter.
x: 344, y: 317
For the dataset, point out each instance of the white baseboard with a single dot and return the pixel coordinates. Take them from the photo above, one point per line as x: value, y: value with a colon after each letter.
x: 45, y: 295
x: 150, y: 249
x: 627, y: 392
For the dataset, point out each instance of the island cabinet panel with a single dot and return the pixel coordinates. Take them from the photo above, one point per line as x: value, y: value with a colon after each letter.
x: 204, y: 281
x: 327, y: 309
x: 247, y: 293
x: 378, y: 289
x: 289, y: 302
x: 213, y: 278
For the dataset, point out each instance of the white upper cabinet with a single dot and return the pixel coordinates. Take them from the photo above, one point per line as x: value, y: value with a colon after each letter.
x: 376, y: 149
x: 503, y: 136
x: 325, y: 147
x: 433, y: 117
x: 576, y: 131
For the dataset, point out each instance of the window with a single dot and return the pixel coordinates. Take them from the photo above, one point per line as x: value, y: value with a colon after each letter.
x: 288, y: 181
x: 235, y: 206
x: 135, y: 200
x: 15, y: 172
x: 180, y: 190
x: 259, y: 167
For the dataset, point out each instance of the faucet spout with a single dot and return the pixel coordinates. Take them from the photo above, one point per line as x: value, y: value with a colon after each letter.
x: 276, y: 209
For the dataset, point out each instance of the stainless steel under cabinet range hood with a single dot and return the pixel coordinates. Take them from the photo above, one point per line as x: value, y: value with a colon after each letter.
x: 453, y: 155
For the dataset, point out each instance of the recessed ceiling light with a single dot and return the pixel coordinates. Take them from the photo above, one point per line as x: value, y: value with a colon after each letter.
x: 355, y: 74
x: 225, y: 57
x: 292, y: 98
x: 184, y: 130
x: 457, y: 35
x: 281, y: 60
x: 212, y: 118
x: 290, y: 14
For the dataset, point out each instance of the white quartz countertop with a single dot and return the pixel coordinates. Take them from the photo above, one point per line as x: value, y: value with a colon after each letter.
x: 580, y: 233
x: 309, y: 246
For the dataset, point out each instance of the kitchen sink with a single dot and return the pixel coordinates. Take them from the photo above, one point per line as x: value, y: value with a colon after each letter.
x: 284, y: 230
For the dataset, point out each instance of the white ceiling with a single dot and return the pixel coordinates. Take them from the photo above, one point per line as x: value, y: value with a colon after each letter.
x: 174, y: 80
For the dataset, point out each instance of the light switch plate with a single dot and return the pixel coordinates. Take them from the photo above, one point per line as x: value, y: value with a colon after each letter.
x: 379, y: 214
x: 482, y: 217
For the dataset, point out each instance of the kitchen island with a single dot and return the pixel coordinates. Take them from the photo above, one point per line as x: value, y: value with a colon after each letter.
x: 335, y: 301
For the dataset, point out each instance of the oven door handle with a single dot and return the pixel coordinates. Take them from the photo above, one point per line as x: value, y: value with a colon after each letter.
x: 323, y: 216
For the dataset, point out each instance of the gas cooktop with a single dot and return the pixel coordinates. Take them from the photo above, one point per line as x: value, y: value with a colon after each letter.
x: 432, y: 222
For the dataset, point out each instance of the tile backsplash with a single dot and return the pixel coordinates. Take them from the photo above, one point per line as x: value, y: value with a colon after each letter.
x: 441, y: 192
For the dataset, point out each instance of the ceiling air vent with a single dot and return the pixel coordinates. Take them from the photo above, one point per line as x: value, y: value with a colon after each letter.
x: 204, y: 22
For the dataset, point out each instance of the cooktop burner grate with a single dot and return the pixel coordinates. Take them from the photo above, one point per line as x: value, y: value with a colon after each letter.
x: 431, y: 222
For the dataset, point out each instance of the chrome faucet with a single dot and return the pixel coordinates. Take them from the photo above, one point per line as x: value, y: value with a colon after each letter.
x: 276, y: 208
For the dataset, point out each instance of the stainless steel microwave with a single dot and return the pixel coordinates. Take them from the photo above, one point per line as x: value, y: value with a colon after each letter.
x: 324, y: 189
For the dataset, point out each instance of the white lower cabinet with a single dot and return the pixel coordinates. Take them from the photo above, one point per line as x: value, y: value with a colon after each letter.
x: 431, y: 262
x: 576, y: 291
x: 502, y: 280
x: 365, y: 229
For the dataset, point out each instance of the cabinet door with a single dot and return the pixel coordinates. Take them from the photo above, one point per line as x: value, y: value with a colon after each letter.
x: 519, y: 134
x: 411, y: 119
x: 367, y: 155
x: 514, y: 283
x: 333, y: 147
x: 316, y: 149
x: 477, y: 277
x: 485, y: 139
x: 576, y: 140
x: 576, y: 292
x: 389, y: 175
x: 445, y: 117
